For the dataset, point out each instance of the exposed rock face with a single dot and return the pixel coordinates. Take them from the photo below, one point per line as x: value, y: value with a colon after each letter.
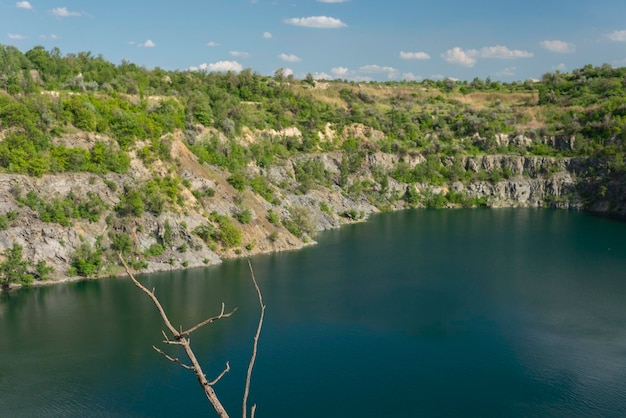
x: 515, y: 181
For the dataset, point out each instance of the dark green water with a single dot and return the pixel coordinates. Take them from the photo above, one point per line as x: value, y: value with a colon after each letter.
x: 418, y: 313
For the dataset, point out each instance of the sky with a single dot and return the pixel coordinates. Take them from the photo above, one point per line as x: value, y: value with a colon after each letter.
x: 357, y: 40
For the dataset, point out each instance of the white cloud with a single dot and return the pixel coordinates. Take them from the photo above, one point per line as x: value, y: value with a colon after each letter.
x: 411, y: 77
x: 414, y: 55
x: 617, y: 36
x: 63, y: 12
x: 287, y: 72
x: 267, y: 35
x: 502, y: 52
x: 212, y: 44
x: 377, y: 69
x: 467, y: 58
x: 458, y: 56
x: 560, y: 67
x: 319, y: 22
x: 239, y: 54
x: 340, y: 71
x: 223, y: 66
x: 147, y: 44
x: 322, y: 76
x: 561, y: 47
x: 16, y: 36
x: 290, y: 57
x: 507, y: 72
x: 24, y: 5
x: 51, y: 36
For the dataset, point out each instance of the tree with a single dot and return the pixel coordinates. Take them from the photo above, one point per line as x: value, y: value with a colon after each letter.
x: 14, y: 269
x: 181, y: 338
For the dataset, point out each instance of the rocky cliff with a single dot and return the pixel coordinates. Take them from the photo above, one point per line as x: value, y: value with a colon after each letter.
x: 496, y: 181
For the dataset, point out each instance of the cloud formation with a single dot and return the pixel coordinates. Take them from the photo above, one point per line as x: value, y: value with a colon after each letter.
x: 16, y: 36
x: 220, y: 66
x: 212, y: 44
x: 561, y: 47
x: 411, y: 77
x: 468, y: 58
x: 457, y: 56
x: 318, y: 22
x: 502, y: 52
x: 24, y: 5
x: 414, y: 55
x: 147, y: 44
x: 63, y: 12
x: 239, y: 54
x: 617, y: 36
x: 377, y: 69
x: 267, y: 35
x: 340, y: 71
x: 290, y: 58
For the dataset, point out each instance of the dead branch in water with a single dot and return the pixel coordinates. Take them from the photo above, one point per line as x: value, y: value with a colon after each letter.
x: 182, y: 338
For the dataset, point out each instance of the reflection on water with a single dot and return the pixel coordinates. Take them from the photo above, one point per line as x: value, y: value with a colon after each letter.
x: 434, y: 313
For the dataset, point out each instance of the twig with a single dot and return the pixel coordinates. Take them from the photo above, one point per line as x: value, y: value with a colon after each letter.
x: 217, y: 379
x: 222, y: 315
x: 254, y: 348
x: 172, y: 359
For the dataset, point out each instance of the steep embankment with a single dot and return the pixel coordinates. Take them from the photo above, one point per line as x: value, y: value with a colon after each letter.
x: 189, y: 229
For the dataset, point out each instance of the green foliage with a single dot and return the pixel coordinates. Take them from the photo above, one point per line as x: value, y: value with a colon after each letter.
x: 131, y: 203
x: 14, y: 269
x: 167, y: 233
x: 154, y: 250
x: 238, y: 181
x: 273, y: 217
x: 352, y: 214
x: 121, y: 242
x: 62, y: 211
x: 299, y: 223
x: 325, y: 208
x: 87, y: 260
x: 228, y: 233
x: 310, y: 172
x: 244, y: 215
x: 262, y: 187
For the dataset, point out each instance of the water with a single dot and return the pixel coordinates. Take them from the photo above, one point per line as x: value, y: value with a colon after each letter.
x: 417, y: 313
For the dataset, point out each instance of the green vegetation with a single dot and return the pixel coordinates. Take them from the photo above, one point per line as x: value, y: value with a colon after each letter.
x: 279, y: 141
x: 16, y: 270
x: 87, y: 260
x: 299, y: 222
x: 62, y: 211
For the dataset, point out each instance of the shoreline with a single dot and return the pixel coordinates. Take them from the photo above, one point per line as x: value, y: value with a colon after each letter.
x: 64, y: 280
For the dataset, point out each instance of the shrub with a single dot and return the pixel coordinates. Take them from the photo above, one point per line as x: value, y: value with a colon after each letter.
x: 154, y: 250
x: 14, y: 269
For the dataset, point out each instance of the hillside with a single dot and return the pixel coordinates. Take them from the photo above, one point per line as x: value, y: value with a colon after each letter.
x: 183, y: 169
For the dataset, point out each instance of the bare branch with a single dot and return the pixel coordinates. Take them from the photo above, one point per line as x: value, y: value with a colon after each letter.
x: 218, y: 378
x: 182, y: 338
x: 254, y: 348
x: 222, y: 315
x: 166, y: 320
x: 172, y: 359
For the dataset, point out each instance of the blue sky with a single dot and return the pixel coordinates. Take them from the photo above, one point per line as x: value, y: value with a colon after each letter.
x: 347, y: 39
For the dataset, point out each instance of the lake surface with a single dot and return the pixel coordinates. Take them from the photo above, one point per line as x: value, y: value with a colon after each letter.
x: 417, y: 313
